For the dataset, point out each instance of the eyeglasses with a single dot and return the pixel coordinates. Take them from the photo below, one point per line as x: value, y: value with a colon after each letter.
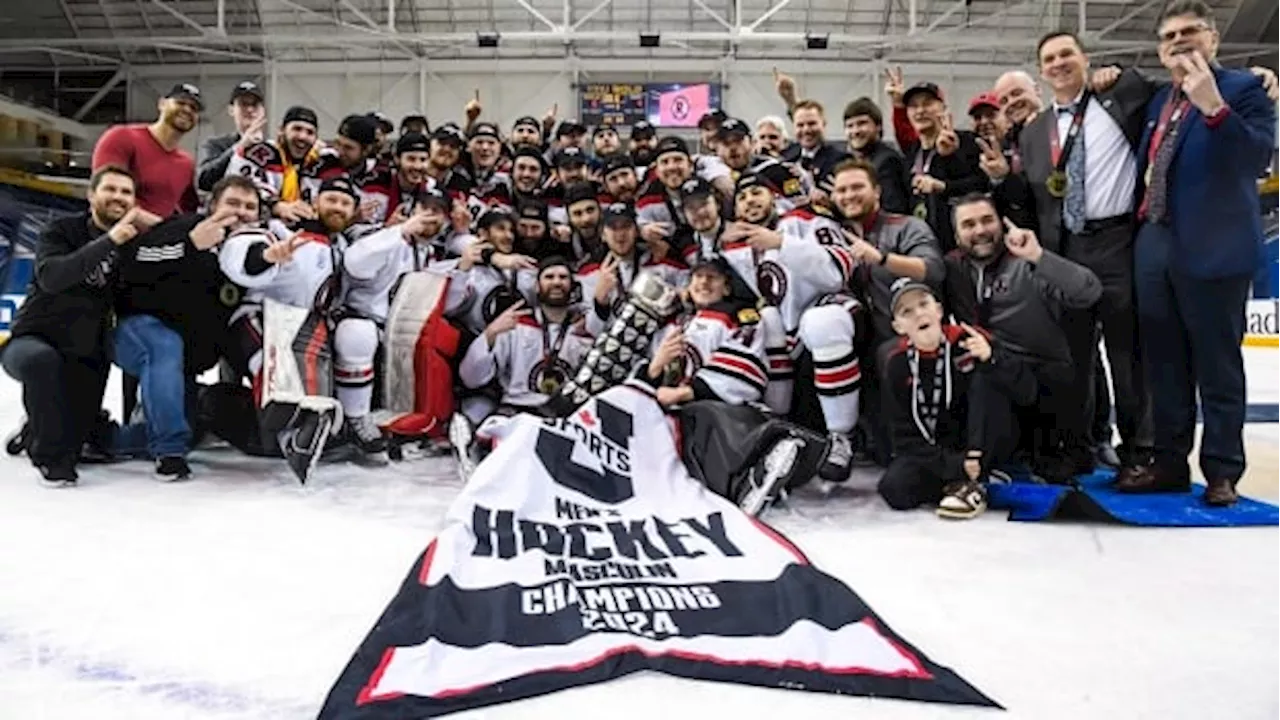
x: 1189, y: 31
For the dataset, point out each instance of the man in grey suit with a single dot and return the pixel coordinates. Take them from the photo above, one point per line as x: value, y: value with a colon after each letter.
x: 1079, y: 160
x: 250, y: 115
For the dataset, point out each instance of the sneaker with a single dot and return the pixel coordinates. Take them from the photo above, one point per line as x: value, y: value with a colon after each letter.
x: 963, y: 500
x: 58, y: 475
x: 766, y: 479
x: 172, y: 468
x: 368, y: 439
x: 835, y: 466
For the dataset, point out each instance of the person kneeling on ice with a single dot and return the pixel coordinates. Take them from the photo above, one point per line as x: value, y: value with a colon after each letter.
x: 949, y: 394
x: 715, y: 352
x: 298, y: 280
x: 530, y: 351
x: 495, y: 275
x: 374, y: 270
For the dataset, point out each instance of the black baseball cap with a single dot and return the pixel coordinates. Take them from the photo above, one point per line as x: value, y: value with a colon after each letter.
x: 900, y: 288
x: 751, y: 179
x: 695, y: 187
x: 715, y: 263
x: 492, y: 217
x: 248, y: 88
x: 432, y: 196
x: 527, y: 121
x: 927, y: 88
x: 733, y: 126
x: 415, y: 117
x: 186, y: 91
x: 716, y: 116
x: 642, y: 130
x: 670, y: 144
x: 532, y: 209
x: 570, y: 156
x: 341, y: 184
x: 616, y: 162
x: 570, y: 126
x: 604, y: 128
x: 579, y: 192
x: 449, y: 133
x: 619, y: 211
x: 485, y: 129
x: 412, y: 142
x: 360, y: 128
x: 299, y: 113
x: 384, y: 122
x: 530, y: 151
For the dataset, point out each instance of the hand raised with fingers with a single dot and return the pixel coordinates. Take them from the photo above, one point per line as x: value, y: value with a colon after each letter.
x: 279, y: 252
x: 507, y: 320
x: 894, y: 86
x: 211, y: 231
x: 1022, y: 243
x: 473, y: 107
x: 992, y: 160
x: 1199, y: 84
x: 948, y: 140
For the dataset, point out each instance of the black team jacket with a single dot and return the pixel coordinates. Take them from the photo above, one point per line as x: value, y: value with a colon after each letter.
x: 162, y: 274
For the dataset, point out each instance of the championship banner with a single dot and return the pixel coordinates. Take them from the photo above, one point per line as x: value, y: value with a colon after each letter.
x: 567, y: 560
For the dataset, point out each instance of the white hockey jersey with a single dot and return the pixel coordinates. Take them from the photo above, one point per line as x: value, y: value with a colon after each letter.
x: 812, y: 262
x: 490, y: 291
x: 375, y: 263
x: 526, y: 359
x: 724, y: 357
x: 266, y: 165
x: 672, y: 272
x: 311, y: 278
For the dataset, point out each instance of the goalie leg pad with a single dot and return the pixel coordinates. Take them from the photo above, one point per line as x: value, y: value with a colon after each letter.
x: 417, y: 364
x: 355, y: 343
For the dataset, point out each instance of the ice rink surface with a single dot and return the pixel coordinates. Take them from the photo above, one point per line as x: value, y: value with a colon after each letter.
x: 240, y: 595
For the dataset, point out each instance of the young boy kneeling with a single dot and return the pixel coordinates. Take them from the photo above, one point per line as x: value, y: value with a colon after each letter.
x: 949, y: 393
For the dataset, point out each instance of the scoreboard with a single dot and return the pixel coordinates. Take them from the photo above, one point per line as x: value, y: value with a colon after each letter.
x: 613, y: 104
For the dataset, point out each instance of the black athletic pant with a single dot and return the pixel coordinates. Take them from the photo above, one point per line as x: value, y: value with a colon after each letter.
x: 1107, y: 250
x: 62, y: 396
x: 990, y: 418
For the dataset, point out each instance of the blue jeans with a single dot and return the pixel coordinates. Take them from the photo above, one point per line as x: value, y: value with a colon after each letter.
x: 151, y: 351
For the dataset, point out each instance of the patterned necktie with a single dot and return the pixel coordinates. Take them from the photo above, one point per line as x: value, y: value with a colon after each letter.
x: 1158, y: 185
x: 1073, y: 204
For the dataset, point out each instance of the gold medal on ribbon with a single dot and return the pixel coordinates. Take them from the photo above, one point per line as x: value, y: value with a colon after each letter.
x: 548, y: 386
x: 1056, y: 184
x: 921, y: 211
x: 229, y: 295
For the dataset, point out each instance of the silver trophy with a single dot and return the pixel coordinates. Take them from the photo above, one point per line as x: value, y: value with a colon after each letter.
x: 650, y: 303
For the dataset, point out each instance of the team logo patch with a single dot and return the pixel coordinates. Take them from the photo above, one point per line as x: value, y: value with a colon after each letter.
x: 548, y: 375
x: 791, y: 187
x: 497, y: 301
x: 772, y: 281
x: 260, y: 154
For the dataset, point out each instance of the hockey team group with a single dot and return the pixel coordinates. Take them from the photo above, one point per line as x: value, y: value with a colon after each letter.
x: 378, y: 288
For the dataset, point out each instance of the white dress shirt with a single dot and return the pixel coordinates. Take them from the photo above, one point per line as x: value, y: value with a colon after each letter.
x: 1110, y: 168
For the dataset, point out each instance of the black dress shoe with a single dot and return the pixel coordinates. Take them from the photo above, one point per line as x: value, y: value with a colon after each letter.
x: 1151, y: 479
x: 1221, y: 493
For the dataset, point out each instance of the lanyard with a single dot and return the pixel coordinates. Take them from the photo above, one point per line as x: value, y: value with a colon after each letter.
x: 551, y: 351
x: 923, y: 161
x: 1060, y: 154
x: 925, y: 410
x: 1167, y: 129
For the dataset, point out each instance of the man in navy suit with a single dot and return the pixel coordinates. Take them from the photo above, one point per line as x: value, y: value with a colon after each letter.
x: 1208, y: 137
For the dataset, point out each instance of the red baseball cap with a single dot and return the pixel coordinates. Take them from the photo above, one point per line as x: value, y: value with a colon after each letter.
x: 987, y: 98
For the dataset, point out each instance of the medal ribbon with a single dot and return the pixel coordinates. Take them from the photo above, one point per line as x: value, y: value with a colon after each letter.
x: 551, y: 351
x: 1060, y: 154
x: 1167, y: 128
x: 926, y: 409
